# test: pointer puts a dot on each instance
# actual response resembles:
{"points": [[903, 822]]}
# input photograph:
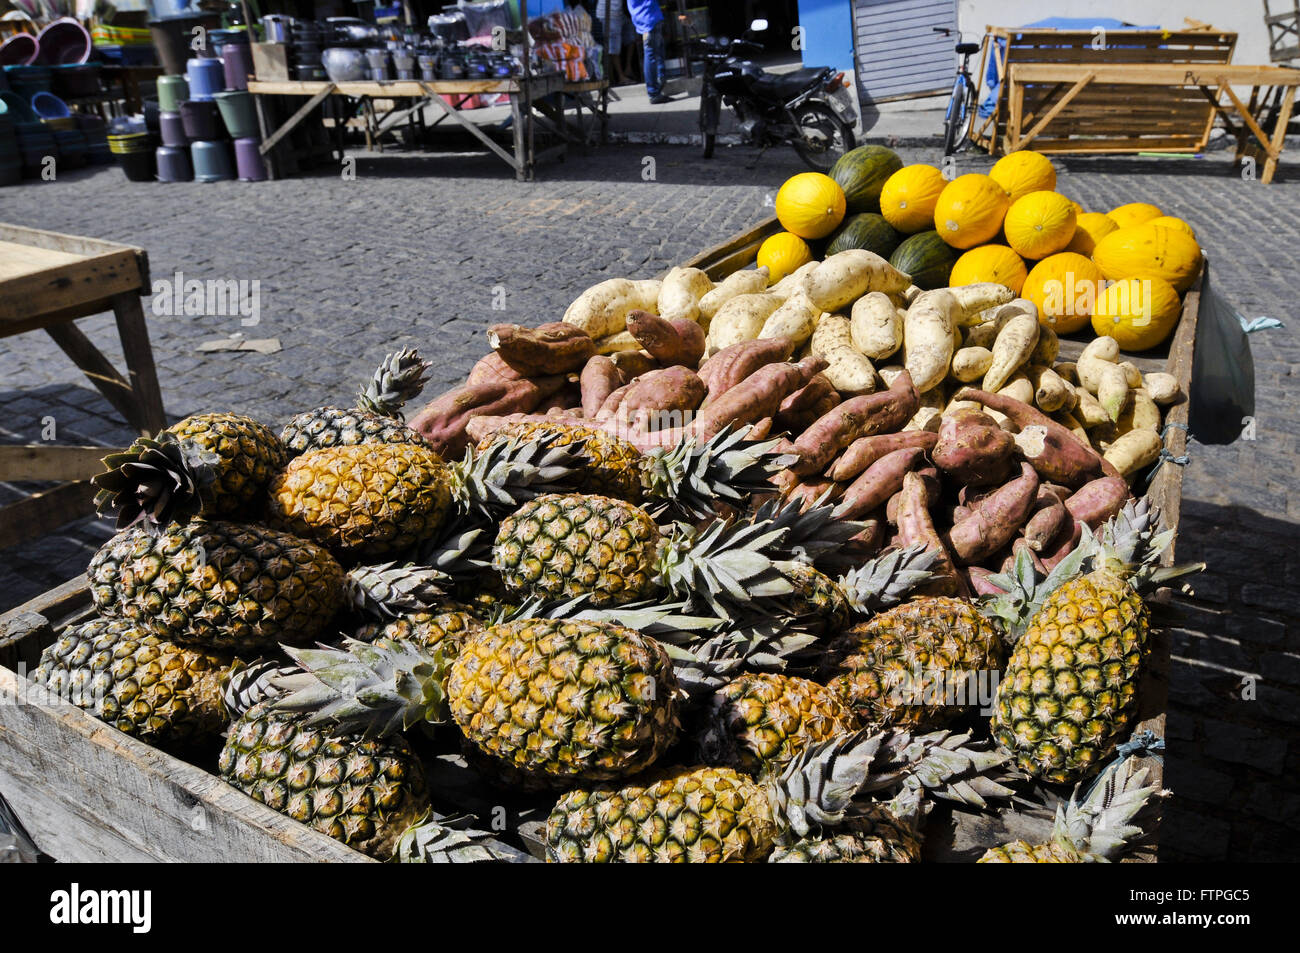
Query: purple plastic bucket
{"points": [[21, 49], [64, 41], [199, 118], [174, 164], [172, 130], [248, 160], [237, 64]]}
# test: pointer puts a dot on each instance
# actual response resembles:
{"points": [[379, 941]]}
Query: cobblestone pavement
{"points": [[416, 250]]}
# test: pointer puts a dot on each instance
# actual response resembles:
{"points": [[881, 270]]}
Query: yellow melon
{"points": [[1134, 213], [996, 263], [1139, 313], [1170, 221], [783, 253], [810, 205], [1149, 251], [909, 196], [1039, 224], [1065, 287], [970, 210], [1090, 228], [1023, 172]]}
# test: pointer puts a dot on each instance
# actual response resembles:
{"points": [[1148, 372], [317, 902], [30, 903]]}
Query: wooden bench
{"points": [[48, 281], [1099, 116]]}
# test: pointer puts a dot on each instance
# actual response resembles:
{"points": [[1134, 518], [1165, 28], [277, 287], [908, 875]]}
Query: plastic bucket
{"points": [[236, 65], [173, 164], [199, 119], [237, 113], [206, 78], [211, 161], [64, 41], [172, 91], [248, 160]]}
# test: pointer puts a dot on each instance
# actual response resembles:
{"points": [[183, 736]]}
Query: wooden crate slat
{"points": [[46, 461], [39, 514]]}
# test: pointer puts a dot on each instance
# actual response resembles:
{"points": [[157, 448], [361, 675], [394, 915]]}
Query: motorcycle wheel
{"points": [[832, 136], [710, 107]]}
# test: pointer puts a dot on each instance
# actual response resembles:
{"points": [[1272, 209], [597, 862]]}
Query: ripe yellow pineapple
{"points": [[612, 468], [877, 833]]}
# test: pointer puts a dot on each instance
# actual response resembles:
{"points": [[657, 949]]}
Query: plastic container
{"points": [[248, 160], [128, 142], [172, 130], [173, 164], [137, 166], [211, 161], [172, 91], [48, 106], [19, 50], [237, 113], [199, 118], [76, 80], [205, 78], [64, 41], [236, 64]]}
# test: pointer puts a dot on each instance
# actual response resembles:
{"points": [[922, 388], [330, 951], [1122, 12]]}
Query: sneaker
{"points": [[660, 99]]}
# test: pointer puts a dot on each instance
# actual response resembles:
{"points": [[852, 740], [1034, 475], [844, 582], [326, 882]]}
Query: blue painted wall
{"points": [[828, 33]]}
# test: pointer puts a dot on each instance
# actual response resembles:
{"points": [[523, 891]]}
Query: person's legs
{"points": [[654, 61]]}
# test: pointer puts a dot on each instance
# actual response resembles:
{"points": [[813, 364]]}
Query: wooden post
{"points": [[524, 136], [1279, 136]]}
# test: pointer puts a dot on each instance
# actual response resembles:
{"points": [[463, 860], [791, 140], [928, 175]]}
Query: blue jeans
{"points": [[654, 60]]}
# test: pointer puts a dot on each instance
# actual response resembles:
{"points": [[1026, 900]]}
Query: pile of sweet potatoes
{"points": [[969, 437]]}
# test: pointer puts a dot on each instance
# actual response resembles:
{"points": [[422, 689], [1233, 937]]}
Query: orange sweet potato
{"points": [[972, 449], [599, 379], [733, 364], [669, 342], [552, 348], [754, 398], [997, 520], [865, 451], [443, 420], [875, 485], [883, 412], [915, 527]]}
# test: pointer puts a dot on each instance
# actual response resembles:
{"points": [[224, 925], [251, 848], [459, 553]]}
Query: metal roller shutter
{"points": [[898, 52]]}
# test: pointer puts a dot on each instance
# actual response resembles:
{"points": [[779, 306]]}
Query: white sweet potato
{"points": [[876, 325], [1015, 342], [744, 282], [1162, 387], [796, 279], [1134, 450], [1112, 389], [971, 363], [1019, 387], [1099, 352], [602, 309], [1140, 414], [1047, 348], [848, 370], [795, 319], [927, 338], [740, 319], [680, 293], [973, 300], [1050, 392], [846, 276], [980, 335]]}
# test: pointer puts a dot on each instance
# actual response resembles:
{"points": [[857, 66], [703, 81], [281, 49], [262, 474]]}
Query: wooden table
{"points": [[48, 281], [1272, 97], [523, 93]]}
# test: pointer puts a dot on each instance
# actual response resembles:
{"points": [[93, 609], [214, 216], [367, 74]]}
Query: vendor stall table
{"points": [[523, 92], [48, 281], [1035, 124]]}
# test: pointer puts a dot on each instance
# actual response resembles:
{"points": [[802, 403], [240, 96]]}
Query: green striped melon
{"points": [[867, 230], [927, 258], [862, 173]]}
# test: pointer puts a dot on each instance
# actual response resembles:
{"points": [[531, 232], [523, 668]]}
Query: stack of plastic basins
{"points": [[173, 156], [209, 150], [238, 111], [35, 140]]}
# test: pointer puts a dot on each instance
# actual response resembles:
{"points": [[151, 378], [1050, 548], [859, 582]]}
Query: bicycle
{"points": [[961, 109]]}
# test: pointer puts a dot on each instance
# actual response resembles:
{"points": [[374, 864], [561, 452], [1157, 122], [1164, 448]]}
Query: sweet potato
{"points": [[663, 398], [761, 430], [972, 449], [492, 369], [1055, 452], [754, 398], [795, 280], [1061, 548], [602, 309], [599, 379], [878, 482], [1134, 450], [974, 300], [850, 370], [1050, 392], [1047, 520], [551, 348], [997, 520], [740, 319], [980, 585], [616, 343], [1140, 414], [442, 421], [798, 411], [927, 338], [971, 363], [1097, 501], [612, 402], [632, 364], [1015, 342], [731, 365], [680, 293], [808, 493], [745, 281], [876, 325], [1047, 348], [1162, 387], [795, 319], [882, 412], [669, 342], [981, 335], [846, 276], [1100, 352], [915, 527], [865, 451]]}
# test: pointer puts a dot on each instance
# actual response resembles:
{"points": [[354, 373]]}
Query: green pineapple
{"points": [[377, 417], [877, 833]]}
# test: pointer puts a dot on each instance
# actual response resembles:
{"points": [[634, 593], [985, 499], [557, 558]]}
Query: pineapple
{"points": [[556, 701], [1095, 829], [447, 627], [1068, 694], [377, 418], [717, 814], [898, 668], [217, 585], [363, 501], [612, 466], [143, 685], [879, 833], [363, 792], [760, 721], [214, 465], [448, 841], [564, 546]]}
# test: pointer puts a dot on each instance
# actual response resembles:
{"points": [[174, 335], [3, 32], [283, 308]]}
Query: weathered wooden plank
{"points": [[66, 285], [44, 512], [44, 462], [57, 241], [150, 418]]}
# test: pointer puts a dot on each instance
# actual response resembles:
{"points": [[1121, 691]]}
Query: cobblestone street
{"points": [[416, 250]]}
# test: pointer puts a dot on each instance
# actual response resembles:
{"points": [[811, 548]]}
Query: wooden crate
{"points": [[1113, 118], [88, 792]]}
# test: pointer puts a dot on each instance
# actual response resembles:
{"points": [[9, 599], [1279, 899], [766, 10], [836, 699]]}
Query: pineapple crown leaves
{"points": [[816, 790], [388, 590], [670, 623], [247, 685], [727, 564], [1101, 822], [813, 535], [461, 555], [953, 768], [399, 378], [380, 688], [888, 579], [155, 482], [450, 840], [728, 468], [509, 472]]}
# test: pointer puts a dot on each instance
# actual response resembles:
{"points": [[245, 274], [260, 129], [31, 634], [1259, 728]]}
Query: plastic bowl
{"points": [[49, 106], [64, 41], [19, 50]]}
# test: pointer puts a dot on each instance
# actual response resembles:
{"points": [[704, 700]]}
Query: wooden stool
{"points": [[48, 281]]}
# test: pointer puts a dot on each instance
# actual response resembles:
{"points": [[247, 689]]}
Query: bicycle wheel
{"points": [[823, 135], [710, 107], [956, 118]]}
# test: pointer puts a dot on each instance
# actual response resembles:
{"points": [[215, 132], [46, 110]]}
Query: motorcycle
{"points": [[809, 108]]}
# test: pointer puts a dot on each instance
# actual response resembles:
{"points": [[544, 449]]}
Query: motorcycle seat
{"points": [[785, 86]]}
